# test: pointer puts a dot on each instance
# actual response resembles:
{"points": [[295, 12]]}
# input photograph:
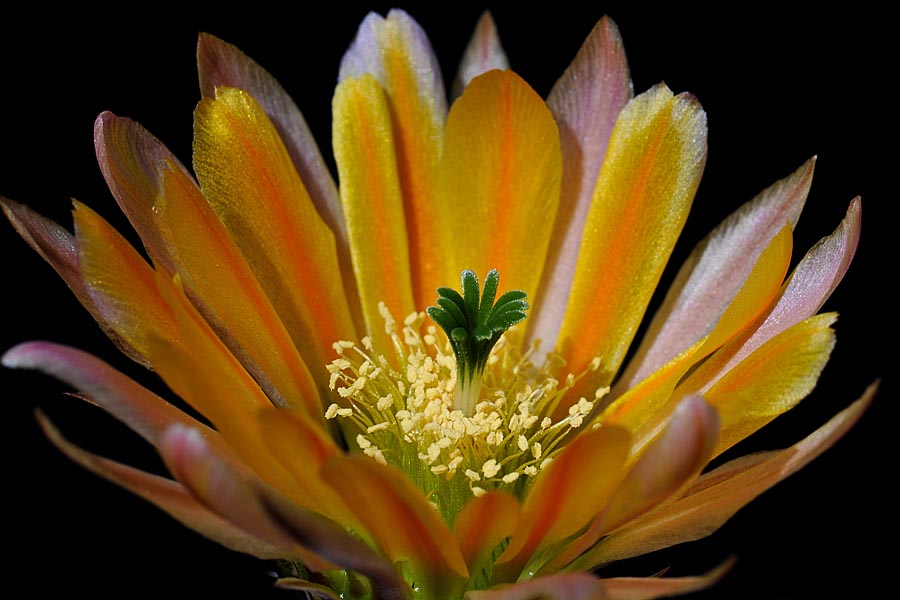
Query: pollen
{"points": [[400, 411]]}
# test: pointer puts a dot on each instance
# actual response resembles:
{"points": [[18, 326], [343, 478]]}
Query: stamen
{"points": [[410, 416]]}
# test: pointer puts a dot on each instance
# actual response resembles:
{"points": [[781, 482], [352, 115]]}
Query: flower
{"points": [[217, 321]]}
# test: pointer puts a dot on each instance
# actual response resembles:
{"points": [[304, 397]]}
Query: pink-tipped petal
{"points": [[254, 507], [57, 246], [221, 64], [719, 494], [168, 495], [585, 102], [809, 286], [139, 408], [715, 271], [482, 54], [648, 588], [568, 586]]}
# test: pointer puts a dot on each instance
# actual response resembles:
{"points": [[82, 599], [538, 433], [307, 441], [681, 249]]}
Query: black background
{"points": [[778, 87]]}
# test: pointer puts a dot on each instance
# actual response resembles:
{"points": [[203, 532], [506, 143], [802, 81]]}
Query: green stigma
{"points": [[474, 323]]}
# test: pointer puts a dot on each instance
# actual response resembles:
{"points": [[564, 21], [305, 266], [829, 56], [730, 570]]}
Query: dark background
{"points": [[778, 88]]}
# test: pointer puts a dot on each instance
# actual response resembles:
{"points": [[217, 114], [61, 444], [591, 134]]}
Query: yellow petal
{"points": [[210, 262], [652, 168], [120, 282], [773, 379], [365, 151], [251, 183], [395, 51], [500, 180]]}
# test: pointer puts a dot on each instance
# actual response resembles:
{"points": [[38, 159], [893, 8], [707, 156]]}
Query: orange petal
{"points": [[484, 522], [567, 494], [644, 191], [717, 495], [500, 182], [120, 282], [397, 515], [302, 447], [365, 151], [395, 50], [210, 262], [250, 182]]}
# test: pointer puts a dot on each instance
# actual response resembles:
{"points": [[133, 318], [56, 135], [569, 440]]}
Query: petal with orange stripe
{"points": [[396, 52], [645, 188], [365, 151], [500, 181], [217, 276], [120, 282], [483, 53], [250, 182], [586, 102]]}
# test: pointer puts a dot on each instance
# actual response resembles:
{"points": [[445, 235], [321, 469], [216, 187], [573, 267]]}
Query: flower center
{"points": [[495, 434]]}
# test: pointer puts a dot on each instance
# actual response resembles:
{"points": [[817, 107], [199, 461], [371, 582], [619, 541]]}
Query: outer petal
{"points": [[210, 478], [669, 463], [165, 205], [569, 586], [585, 102], [57, 246], [809, 286], [222, 65], [715, 271], [365, 151], [394, 511], [139, 408], [569, 492], [717, 495], [250, 182], [168, 495], [396, 52], [500, 177], [645, 188], [120, 283], [648, 588], [483, 53]]}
